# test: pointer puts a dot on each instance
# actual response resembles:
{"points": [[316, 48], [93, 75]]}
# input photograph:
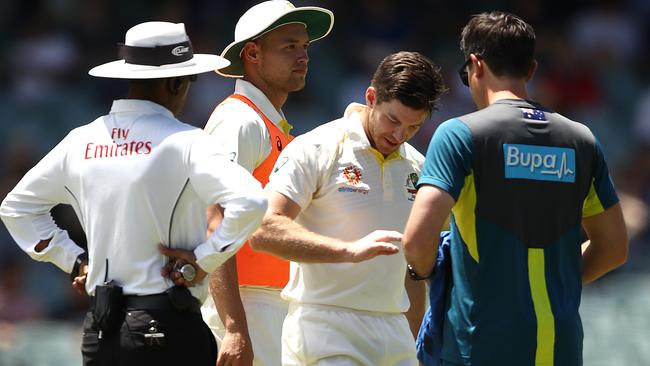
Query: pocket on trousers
{"points": [[142, 330], [89, 339]]}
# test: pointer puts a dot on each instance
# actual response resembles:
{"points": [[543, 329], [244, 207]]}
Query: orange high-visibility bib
{"points": [[259, 268]]}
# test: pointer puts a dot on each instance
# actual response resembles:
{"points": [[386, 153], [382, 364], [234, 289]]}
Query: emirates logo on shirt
{"points": [[120, 146]]}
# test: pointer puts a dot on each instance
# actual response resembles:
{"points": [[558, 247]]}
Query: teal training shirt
{"points": [[523, 177]]}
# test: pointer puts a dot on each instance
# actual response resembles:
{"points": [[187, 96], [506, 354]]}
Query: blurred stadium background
{"points": [[593, 68]]}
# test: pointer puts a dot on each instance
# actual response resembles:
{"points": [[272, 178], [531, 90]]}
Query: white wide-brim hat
{"points": [[267, 16], [155, 50]]}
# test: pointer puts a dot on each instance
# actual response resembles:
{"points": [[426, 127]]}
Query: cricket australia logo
{"points": [[555, 164], [410, 186], [351, 180], [352, 174]]}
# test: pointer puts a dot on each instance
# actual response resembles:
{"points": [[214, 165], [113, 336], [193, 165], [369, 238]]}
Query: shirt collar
{"points": [[357, 135], [260, 99], [139, 106]]}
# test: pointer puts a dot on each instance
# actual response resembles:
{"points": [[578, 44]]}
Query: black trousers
{"points": [[177, 338]]}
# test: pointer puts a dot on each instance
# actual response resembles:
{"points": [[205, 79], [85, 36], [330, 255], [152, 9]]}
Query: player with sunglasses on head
{"points": [[521, 182]]}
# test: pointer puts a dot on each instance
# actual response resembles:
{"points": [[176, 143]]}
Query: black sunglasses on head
{"points": [[462, 72]]}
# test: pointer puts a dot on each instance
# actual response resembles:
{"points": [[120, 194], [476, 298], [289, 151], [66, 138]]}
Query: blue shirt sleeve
{"points": [[449, 158]]}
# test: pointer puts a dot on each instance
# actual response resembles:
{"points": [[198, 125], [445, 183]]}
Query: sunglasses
{"points": [[462, 72]]}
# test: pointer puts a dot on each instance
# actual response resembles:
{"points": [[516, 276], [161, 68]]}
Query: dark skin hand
{"points": [[79, 282], [176, 255], [183, 256]]}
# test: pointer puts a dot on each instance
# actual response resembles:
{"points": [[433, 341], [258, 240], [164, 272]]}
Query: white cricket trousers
{"points": [[328, 336]]}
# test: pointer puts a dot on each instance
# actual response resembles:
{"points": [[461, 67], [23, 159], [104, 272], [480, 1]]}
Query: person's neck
{"points": [[364, 116], [151, 98], [504, 90], [276, 97]]}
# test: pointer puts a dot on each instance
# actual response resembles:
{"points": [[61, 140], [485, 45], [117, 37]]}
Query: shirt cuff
{"points": [[209, 260], [61, 251]]}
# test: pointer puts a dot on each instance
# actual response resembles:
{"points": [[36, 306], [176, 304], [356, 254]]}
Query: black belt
{"points": [[154, 302]]}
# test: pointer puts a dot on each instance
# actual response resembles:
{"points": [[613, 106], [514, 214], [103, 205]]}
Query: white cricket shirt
{"points": [[136, 178], [242, 131], [346, 190]]}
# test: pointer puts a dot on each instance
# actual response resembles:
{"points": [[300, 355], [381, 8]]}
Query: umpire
{"points": [[139, 181]]}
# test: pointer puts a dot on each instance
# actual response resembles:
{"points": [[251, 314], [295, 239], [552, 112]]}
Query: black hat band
{"points": [[156, 56]]}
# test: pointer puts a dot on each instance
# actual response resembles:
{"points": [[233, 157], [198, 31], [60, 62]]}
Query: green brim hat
{"points": [[267, 16]]}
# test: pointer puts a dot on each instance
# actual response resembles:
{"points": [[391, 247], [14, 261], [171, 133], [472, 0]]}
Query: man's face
{"points": [[283, 57], [391, 123]]}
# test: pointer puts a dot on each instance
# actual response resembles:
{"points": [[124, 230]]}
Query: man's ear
{"points": [[371, 96], [174, 85], [251, 52], [532, 70], [479, 65]]}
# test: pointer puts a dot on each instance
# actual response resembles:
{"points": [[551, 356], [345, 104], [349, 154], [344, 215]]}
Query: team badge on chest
{"points": [[410, 186], [351, 180]]}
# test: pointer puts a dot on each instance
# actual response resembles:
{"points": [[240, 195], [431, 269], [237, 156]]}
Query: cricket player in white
{"points": [[269, 56], [139, 181], [349, 185]]}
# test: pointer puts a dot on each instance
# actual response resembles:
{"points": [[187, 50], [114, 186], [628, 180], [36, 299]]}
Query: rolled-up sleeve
{"points": [[217, 180]]}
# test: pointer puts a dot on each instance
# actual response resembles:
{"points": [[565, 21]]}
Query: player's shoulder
{"points": [[234, 114], [412, 154], [574, 128], [319, 144], [327, 134]]}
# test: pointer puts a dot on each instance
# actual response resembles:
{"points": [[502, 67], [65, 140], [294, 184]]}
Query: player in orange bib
{"points": [[269, 56]]}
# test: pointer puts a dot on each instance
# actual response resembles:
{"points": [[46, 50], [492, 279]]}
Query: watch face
{"points": [[188, 272]]}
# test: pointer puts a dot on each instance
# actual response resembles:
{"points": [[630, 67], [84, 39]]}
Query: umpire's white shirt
{"points": [[346, 190], [136, 178]]}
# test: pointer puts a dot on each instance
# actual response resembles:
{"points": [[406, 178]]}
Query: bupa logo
{"points": [[555, 164], [180, 50]]}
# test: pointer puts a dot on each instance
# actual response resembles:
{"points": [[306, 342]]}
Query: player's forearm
{"points": [[608, 244], [596, 263], [416, 291], [224, 288], [420, 257], [421, 235], [282, 237]]}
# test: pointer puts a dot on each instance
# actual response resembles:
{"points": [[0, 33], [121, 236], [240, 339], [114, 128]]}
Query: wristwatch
{"points": [[414, 276], [186, 270], [81, 259]]}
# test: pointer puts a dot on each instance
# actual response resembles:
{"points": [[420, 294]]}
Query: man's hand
{"points": [[79, 282], [236, 350], [376, 243], [183, 256]]}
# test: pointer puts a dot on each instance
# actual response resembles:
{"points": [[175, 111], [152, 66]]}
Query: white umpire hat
{"points": [[154, 50], [267, 16]]}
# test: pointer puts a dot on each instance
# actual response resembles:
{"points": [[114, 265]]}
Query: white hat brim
{"points": [[200, 63]]}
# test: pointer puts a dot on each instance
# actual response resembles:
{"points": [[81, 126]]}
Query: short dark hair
{"points": [[411, 78], [503, 40]]}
